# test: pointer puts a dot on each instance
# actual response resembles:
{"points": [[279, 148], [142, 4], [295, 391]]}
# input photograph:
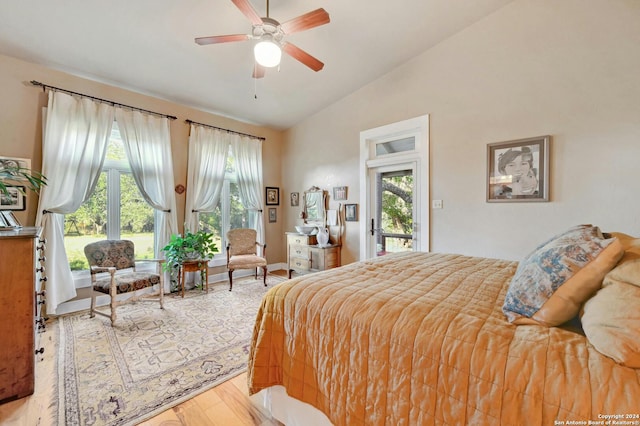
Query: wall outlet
{"points": [[436, 204]]}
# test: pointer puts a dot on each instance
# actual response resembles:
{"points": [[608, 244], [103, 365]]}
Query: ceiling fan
{"points": [[270, 35]]}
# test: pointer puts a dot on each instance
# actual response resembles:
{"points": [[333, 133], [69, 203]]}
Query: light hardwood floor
{"points": [[225, 405]]}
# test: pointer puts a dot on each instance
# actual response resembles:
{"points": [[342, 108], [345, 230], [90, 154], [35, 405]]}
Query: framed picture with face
{"points": [[272, 195], [518, 170]]}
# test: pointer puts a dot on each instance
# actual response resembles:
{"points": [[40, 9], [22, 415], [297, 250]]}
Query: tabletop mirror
{"points": [[314, 206]]}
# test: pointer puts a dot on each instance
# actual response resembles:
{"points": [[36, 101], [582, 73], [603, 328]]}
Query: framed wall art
{"points": [[339, 193], [351, 212], [272, 195], [11, 162], [295, 199], [518, 170], [273, 215], [14, 200]]}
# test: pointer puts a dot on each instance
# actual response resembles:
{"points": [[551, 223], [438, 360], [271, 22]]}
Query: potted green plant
{"points": [[190, 246]]}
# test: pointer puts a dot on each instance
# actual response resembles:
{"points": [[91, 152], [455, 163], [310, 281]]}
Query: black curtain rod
{"points": [[45, 86], [224, 130]]}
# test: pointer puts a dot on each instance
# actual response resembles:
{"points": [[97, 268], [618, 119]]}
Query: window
{"points": [[394, 146], [228, 214], [115, 210]]}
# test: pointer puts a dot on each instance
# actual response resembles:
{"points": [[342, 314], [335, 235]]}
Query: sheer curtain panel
{"points": [[75, 137], [208, 151], [248, 154], [147, 143]]}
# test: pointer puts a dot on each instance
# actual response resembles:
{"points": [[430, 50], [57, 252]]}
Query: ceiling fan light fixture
{"points": [[267, 53]]}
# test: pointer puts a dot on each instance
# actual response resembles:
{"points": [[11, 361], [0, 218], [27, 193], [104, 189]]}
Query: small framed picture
{"points": [[351, 212], [13, 163], [272, 195], [9, 219], [14, 199], [518, 171], [339, 193], [295, 199], [273, 215]]}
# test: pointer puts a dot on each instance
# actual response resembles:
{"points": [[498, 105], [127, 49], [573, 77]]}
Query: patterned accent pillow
{"points": [[553, 281]]}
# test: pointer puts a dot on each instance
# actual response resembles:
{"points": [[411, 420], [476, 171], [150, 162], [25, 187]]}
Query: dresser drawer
{"points": [[299, 251], [301, 239], [299, 264]]}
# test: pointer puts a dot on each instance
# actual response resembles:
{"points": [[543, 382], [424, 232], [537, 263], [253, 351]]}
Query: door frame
{"points": [[417, 127]]}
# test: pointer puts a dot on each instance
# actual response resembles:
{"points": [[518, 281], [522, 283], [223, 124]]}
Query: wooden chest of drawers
{"points": [[305, 256], [20, 314]]}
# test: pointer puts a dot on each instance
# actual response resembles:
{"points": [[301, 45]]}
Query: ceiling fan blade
{"points": [[258, 70], [248, 10], [300, 55], [222, 39], [307, 21]]}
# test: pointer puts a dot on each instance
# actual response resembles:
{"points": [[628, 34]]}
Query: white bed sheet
{"points": [[288, 410]]}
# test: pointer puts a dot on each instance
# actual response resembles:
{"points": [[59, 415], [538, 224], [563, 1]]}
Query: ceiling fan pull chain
{"points": [[255, 88]]}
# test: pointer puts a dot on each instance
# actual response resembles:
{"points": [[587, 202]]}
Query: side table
{"points": [[198, 265]]}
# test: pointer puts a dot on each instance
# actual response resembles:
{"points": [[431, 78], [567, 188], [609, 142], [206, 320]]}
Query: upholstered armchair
{"points": [[242, 253], [113, 272]]}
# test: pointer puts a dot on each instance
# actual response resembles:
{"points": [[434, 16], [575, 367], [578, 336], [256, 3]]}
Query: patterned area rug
{"points": [[153, 359]]}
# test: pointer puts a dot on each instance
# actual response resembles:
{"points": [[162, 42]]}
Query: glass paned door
{"points": [[393, 218]]}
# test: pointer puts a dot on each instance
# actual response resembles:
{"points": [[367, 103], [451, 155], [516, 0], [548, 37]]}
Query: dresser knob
{"points": [[39, 351], [43, 292], [43, 279]]}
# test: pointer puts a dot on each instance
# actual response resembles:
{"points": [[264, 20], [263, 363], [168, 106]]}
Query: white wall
{"points": [[568, 68]]}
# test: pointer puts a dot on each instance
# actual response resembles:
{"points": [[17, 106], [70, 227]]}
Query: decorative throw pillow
{"points": [[611, 319], [553, 281]]}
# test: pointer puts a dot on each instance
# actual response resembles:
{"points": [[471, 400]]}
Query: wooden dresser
{"points": [[21, 274], [305, 256]]}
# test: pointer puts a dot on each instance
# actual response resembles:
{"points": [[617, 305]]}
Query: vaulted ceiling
{"points": [[148, 46]]}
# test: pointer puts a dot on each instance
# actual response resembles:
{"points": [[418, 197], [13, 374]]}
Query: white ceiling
{"points": [[148, 46]]}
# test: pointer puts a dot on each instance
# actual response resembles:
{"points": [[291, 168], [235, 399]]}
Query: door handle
{"points": [[373, 226]]}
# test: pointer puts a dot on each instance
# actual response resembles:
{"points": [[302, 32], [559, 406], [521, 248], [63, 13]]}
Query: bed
{"points": [[424, 338]]}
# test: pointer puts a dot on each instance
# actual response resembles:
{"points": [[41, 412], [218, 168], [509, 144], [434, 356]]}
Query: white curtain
{"points": [[248, 155], [147, 143], [76, 133], [208, 151]]}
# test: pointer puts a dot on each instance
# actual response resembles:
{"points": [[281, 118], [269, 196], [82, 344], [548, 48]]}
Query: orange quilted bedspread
{"points": [[420, 338]]}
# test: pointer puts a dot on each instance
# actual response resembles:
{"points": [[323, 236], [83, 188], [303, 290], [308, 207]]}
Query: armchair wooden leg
{"points": [[264, 275], [92, 312], [230, 279], [112, 295]]}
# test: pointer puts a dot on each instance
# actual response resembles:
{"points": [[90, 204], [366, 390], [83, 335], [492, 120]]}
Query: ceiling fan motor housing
{"points": [[269, 29]]}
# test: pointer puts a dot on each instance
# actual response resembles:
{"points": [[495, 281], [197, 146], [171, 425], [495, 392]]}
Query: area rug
{"points": [[153, 358]]}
